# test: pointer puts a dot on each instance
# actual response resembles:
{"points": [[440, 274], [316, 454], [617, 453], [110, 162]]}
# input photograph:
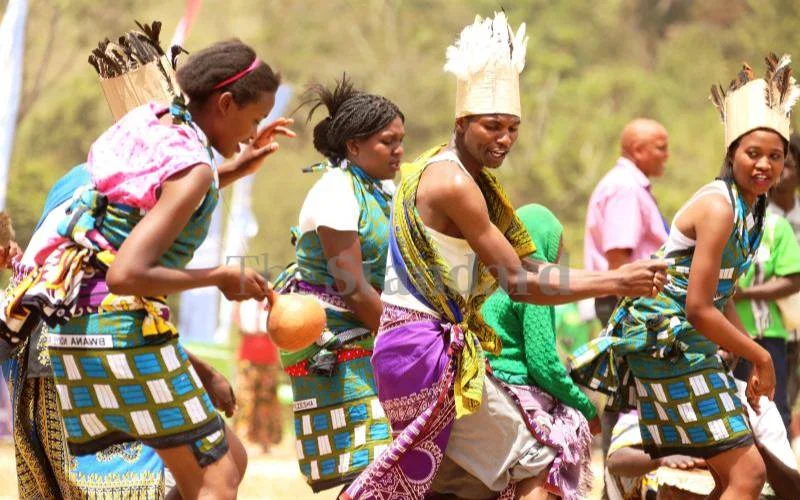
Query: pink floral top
{"points": [[131, 160]]}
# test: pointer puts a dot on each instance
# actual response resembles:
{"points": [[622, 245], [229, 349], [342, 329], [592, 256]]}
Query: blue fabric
{"points": [[63, 189]]}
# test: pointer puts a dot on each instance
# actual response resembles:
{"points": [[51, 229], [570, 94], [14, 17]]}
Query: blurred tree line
{"points": [[591, 67]]}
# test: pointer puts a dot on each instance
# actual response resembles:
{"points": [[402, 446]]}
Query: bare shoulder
{"points": [[446, 180], [715, 207], [710, 215], [201, 173], [191, 183], [448, 199]]}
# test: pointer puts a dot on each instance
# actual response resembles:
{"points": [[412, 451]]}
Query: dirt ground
{"points": [[271, 476]]}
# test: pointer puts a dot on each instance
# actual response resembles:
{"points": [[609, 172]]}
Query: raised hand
{"points": [[263, 145]]}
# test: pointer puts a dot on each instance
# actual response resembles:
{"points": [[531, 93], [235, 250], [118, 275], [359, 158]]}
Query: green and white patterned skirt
{"points": [[698, 414], [114, 386], [339, 424]]}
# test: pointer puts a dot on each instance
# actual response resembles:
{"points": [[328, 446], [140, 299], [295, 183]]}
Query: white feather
{"points": [[484, 42], [520, 49], [785, 60], [791, 98]]}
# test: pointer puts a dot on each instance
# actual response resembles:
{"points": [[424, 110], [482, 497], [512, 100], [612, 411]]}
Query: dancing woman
{"points": [[666, 346], [341, 244], [101, 277]]}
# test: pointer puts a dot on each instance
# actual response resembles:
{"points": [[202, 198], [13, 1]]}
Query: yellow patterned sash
{"points": [[428, 274]]}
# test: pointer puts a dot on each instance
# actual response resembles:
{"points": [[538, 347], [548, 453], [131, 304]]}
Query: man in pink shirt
{"points": [[623, 222]]}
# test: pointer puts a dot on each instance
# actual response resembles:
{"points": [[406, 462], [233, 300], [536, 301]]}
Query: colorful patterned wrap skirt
{"points": [[47, 470], [339, 423], [116, 385], [686, 397]]}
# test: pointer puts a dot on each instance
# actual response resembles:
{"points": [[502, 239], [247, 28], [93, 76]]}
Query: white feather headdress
{"points": [[487, 59], [752, 103]]}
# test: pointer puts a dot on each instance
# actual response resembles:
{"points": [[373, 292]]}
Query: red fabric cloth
{"points": [[301, 369], [258, 349]]}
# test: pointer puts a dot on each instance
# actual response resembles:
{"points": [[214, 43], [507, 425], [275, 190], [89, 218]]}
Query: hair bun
{"points": [[322, 137]]}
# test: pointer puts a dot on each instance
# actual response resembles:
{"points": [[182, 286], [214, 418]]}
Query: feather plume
{"points": [[519, 48], [769, 93], [718, 99], [791, 99], [745, 75], [486, 41], [785, 83], [748, 73], [784, 62], [781, 93], [772, 65]]}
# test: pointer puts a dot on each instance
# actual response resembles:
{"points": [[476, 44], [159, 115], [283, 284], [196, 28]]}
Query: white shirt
{"points": [[331, 202]]}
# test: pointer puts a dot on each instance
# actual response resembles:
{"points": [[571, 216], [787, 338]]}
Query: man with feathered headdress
{"points": [[455, 238]]}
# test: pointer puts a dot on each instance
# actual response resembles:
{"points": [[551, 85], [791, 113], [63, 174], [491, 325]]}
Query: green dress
{"points": [[684, 392], [339, 423]]}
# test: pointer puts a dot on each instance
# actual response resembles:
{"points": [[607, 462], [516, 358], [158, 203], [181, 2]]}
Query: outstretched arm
{"points": [[460, 199]]}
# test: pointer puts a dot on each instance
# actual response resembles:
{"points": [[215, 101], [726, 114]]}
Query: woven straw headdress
{"points": [[487, 59], [751, 103]]}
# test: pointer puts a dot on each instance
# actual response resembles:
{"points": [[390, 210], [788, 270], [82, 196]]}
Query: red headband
{"points": [[238, 75]]}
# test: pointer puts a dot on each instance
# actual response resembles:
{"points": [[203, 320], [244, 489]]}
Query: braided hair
{"points": [[204, 69], [352, 114]]}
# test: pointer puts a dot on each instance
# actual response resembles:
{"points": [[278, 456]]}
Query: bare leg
{"points": [[785, 481], [719, 486], [237, 450], [219, 480], [742, 471]]}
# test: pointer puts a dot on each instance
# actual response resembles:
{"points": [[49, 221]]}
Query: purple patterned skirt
{"points": [[414, 367]]}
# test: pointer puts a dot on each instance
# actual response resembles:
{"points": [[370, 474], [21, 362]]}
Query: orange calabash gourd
{"points": [[295, 321]]}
